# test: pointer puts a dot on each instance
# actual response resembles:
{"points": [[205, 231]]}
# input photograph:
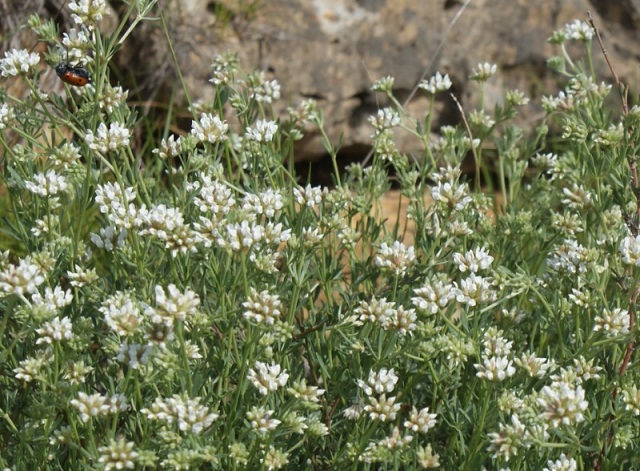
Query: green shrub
{"points": [[201, 307]]}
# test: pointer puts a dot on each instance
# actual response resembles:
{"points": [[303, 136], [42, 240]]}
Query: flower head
{"points": [[18, 62], [111, 139], [267, 378], [88, 12], [437, 83], [210, 128], [262, 132], [483, 72]]}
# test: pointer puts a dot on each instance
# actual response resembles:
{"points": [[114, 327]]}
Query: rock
{"points": [[333, 50]]}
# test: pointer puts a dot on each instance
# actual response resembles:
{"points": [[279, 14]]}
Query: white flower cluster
{"points": [[88, 12], [116, 203], [386, 118], [630, 250], [396, 257], [262, 307], [172, 305], [437, 83], [105, 140], [376, 387], [267, 378], [434, 295], [268, 203], [6, 115], [134, 355], [121, 314], [496, 364], [213, 197], [21, 279], [48, 184], [167, 224], [188, 414], [386, 314], [264, 91], [263, 131], [97, 405], [563, 403], [261, 420], [474, 290], [309, 196], [483, 72], [55, 330], [210, 128], [53, 299], [18, 62], [473, 260]]}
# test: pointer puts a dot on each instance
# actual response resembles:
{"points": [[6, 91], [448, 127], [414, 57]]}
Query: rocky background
{"points": [[333, 50]]}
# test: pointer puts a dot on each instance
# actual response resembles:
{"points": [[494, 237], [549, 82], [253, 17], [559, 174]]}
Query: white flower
{"points": [[397, 258], [267, 378], [435, 84], [172, 305], [475, 289], [382, 408], [452, 194], [613, 323], [378, 382], [121, 314], [210, 128], [53, 299], [18, 62], [262, 307], [188, 414], [108, 238], [112, 97], [510, 438], [261, 420], [579, 30], [385, 84], [6, 115], [21, 279], [473, 260], [264, 91], [495, 368], [168, 147], [55, 331], [91, 406], [111, 139], [262, 132], [134, 355], [48, 184], [300, 390], [562, 464], [562, 403], [88, 12], [433, 296], [386, 118], [213, 197], [118, 455], [242, 236], [420, 421], [309, 196], [268, 202], [630, 250], [483, 72]]}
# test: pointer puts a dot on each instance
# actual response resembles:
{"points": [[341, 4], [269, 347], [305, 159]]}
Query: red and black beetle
{"points": [[76, 76]]}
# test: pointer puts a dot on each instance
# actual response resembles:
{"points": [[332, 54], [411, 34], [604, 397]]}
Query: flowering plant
{"points": [[201, 307]]}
